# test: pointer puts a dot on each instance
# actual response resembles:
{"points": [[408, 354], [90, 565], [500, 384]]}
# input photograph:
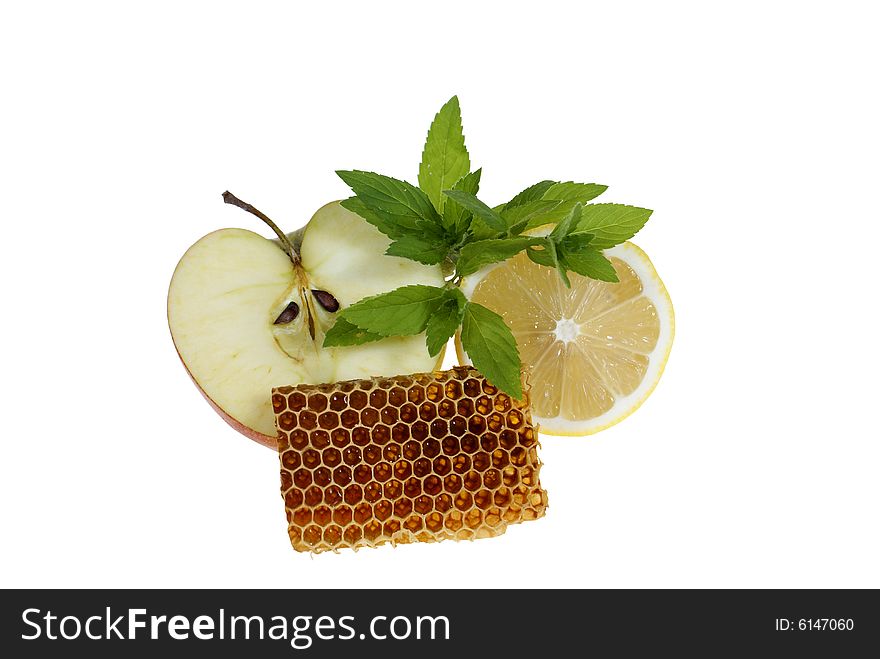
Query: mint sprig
{"points": [[443, 221]]}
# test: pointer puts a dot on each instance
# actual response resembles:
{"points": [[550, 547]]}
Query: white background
{"points": [[752, 130]]}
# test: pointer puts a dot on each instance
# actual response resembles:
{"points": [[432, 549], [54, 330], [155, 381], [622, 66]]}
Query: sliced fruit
{"points": [[246, 316], [595, 350]]}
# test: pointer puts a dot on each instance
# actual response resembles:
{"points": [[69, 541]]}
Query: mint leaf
{"points": [[612, 224], [400, 312], [475, 255], [455, 216], [418, 249], [480, 210], [398, 203], [491, 347], [445, 159], [557, 263], [519, 217], [565, 226], [343, 333], [589, 262], [445, 321], [543, 256], [389, 228], [531, 193], [574, 192]]}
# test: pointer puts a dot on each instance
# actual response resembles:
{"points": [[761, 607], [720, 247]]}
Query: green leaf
{"points": [[589, 262], [480, 210], [344, 333], [531, 193], [400, 312], [574, 192], [558, 263], [455, 216], [399, 204], [418, 249], [565, 226], [491, 347], [612, 224], [445, 321], [575, 241], [445, 159], [475, 255], [519, 217], [389, 228], [544, 256]]}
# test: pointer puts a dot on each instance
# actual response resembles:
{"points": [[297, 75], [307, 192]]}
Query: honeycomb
{"points": [[417, 458]]}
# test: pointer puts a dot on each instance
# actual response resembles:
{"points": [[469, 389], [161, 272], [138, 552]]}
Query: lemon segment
{"points": [[595, 350]]}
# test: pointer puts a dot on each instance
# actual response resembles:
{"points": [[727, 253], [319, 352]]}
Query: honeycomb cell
{"points": [[508, 439], [403, 469], [470, 443], [452, 483], [382, 510], [340, 437], [319, 439], [389, 416], [342, 476], [333, 535], [290, 460], [393, 489], [430, 448], [308, 420], [363, 512], [396, 397], [382, 472], [423, 504], [403, 507], [357, 400], [360, 436], [349, 418], [293, 498], [323, 515], [313, 496], [461, 463], [489, 388], [333, 495], [432, 485], [378, 398], [317, 402], [416, 394], [419, 430], [296, 401], [482, 461], [328, 420], [287, 420], [302, 478], [322, 476], [312, 535], [473, 481], [442, 465], [450, 446], [458, 426], [353, 494], [404, 459], [500, 459], [439, 428], [381, 434], [351, 455], [372, 454], [492, 479], [369, 417], [427, 411]]}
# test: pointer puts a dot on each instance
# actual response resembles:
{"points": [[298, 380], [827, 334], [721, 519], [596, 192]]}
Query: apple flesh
{"points": [[245, 317]]}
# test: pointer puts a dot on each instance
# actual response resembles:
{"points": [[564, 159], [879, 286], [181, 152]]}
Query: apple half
{"points": [[247, 313]]}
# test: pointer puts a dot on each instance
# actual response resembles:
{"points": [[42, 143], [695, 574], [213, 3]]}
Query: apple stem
{"points": [[288, 247]]}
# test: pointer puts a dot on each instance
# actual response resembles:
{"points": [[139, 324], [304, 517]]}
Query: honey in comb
{"points": [[412, 458]]}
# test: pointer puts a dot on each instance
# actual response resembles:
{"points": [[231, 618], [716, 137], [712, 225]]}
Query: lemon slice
{"points": [[596, 350]]}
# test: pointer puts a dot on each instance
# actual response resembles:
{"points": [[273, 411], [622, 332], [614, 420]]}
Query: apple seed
{"points": [[291, 311], [326, 300]]}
